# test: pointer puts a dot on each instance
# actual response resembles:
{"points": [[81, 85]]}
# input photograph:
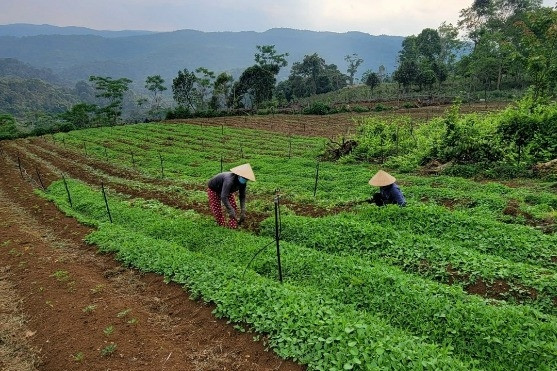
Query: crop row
{"points": [[435, 258], [298, 321], [493, 335], [197, 157]]}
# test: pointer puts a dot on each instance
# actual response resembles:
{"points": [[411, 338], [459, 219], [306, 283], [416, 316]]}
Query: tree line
{"points": [[506, 44]]}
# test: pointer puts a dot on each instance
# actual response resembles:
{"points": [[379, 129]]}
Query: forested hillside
{"points": [[76, 57], [19, 96]]}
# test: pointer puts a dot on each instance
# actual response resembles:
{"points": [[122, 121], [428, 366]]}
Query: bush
{"points": [[8, 129], [381, 107], [317, 108], [360, 109], [179, 112]]}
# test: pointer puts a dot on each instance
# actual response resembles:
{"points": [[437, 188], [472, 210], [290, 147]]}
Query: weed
{"points": [[78, 357], [132, 321]]}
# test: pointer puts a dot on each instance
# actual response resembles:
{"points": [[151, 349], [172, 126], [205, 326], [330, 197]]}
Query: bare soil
{"points": [[332, 126]]}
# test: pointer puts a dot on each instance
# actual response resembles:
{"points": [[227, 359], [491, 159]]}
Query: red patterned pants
{"points": [[216, 208]]}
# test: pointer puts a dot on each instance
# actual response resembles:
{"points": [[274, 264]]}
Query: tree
{"points": [[313, 76], [81, 115], [113, 92], [406, 74], [428, 45], [309, 69], [204, 84], [539, 35], [354, 61], [256, 83], [155, 84], [372, 80], [222, 89], [268, 56], [183, 88]]}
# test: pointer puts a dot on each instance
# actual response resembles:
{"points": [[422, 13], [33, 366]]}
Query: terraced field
{"points": [[464, 277]]}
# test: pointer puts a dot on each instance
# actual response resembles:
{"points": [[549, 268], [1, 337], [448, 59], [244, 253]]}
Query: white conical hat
{"points": [[381, 179], [244, 171]]}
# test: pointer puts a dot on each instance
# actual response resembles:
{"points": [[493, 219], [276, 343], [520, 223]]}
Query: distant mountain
{"points": [[25, 29], [81, 53]]}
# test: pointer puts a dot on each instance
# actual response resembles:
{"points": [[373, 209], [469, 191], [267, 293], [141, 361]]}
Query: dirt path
{"points": [[79, 310]]}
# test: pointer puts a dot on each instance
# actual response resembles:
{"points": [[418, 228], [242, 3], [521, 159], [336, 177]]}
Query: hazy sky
{"points": [[390, 17]]}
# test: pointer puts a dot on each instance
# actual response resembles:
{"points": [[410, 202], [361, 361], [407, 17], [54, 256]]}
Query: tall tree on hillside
{"points": [[312, 76], [450, 45], [155, 84], [354, 61], [311, 67], [183, 88], [205, 84], [256, 85], [539, 34], [268, 56], [371, 79], [112, 91], [222, 90], [491, 25], [257, 82]]}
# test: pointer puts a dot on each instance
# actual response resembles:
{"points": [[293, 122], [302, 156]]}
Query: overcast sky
{"points": [[375, 17]]}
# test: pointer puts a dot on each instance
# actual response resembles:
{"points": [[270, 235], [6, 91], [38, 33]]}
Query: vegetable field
{"points": [[464, 277]]}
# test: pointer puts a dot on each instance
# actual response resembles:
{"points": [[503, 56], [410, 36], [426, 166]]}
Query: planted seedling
{"points": [[78, 357], [123, 313], [61, 275], [108, 350], [109, 330], [89, 309]]}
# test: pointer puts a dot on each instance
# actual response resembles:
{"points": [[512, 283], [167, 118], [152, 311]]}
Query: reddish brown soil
{"points": [[332, 126], [76, 303]]}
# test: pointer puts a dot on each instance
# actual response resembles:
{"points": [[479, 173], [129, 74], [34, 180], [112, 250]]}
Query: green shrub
{"points": [[317, 108]]}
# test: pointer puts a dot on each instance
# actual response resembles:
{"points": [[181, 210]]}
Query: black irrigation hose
{"points": [[264, 247], [254, 256]]}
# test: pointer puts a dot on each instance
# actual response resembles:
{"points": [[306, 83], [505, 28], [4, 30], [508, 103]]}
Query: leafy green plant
{"points": [[108, 349], [78, 357], [61, 275], [108, 330], [89, 308]]}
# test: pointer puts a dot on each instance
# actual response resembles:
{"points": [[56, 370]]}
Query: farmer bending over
{"points": [[389, 192], [221, 188]]}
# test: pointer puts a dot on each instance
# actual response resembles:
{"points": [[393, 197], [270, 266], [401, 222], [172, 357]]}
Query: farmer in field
{"points": [[221, 188], [389, 192]]}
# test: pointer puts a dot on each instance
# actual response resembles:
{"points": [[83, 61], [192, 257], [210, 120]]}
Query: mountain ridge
{"points": [[136, 55]]}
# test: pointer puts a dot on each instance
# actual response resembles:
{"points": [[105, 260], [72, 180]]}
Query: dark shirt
{"points": [[391, 194], [225, 184]]}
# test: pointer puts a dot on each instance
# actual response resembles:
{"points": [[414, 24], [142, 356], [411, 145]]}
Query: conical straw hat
{"points": [[381, 179], [244, 171]]}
